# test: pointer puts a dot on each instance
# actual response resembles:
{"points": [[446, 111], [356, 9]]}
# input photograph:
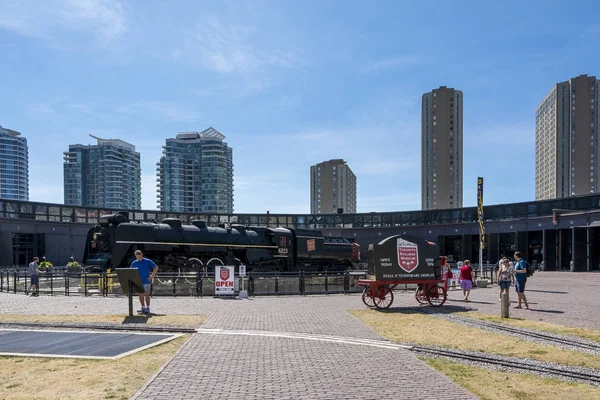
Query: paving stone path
{"points": [[269, 365]]}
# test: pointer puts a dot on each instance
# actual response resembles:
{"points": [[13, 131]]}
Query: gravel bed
{"points": [[513, 360], [520, 333]]}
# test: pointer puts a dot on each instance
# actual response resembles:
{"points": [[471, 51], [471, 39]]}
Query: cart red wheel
{"points": [[436, 296], [367, 297], [420, 294], [383, 297]]}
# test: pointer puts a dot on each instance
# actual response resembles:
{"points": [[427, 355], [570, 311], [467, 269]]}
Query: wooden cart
{"points": [[380, 294]]}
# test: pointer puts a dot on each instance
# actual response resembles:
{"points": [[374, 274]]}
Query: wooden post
{"points": [[505, 305], [130, 283]]}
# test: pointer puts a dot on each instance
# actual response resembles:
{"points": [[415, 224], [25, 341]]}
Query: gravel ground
{"points": [[515, 361], [520, 333]]}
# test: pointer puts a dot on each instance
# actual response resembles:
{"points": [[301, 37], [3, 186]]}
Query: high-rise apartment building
{"points": [[566, 140], [14, 165], [332, 188], [107, 174], [195, 173], [442, 149]]}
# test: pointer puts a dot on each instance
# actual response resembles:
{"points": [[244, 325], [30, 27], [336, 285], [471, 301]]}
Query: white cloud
{"points": [[41, 108], [231, 47], [84, 108], [103, 19], [171, 111], [393, 63]]}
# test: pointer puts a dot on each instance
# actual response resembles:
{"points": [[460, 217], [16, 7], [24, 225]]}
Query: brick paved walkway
{"points": [[226, 366]]}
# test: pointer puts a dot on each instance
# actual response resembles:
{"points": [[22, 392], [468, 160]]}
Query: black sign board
{"points": [[131, 283], [402, 257]]}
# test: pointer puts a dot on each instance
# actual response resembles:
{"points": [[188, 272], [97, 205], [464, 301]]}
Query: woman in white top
{"points": [[506, 276]]}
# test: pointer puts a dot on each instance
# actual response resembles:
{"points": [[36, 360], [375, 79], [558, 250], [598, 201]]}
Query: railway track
{"points": [[578, 344], [513, 363]]}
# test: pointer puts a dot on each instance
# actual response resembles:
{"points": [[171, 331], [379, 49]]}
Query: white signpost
{"points": [[243, 293], [224, 280]]}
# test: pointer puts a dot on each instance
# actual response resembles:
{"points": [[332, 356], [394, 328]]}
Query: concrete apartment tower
{"points": [[195, 174], [14, 165], [442, 149], [107, 174], [332, 188], [566, 140]]}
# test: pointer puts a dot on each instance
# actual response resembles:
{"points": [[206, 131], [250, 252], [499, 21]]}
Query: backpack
{"points": [[529, 269]]}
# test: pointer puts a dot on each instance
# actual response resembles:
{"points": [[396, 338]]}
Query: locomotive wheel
{"points": [[215, 261], [436, 295], [367, 297], [194, 263], [420, 295], [383, 297]]}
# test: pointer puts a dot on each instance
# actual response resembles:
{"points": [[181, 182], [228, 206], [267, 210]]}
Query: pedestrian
{"points": [[505, 277], [466, 280], [520, 279], [147, 270], [34, 276]]}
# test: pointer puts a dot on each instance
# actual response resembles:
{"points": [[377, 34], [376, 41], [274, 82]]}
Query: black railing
{"points": [[195, 284]]}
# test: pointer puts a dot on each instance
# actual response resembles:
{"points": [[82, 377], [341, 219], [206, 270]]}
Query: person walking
{"points": [[505, 277], [147, 270], [466, 280], [34, 276], [520, 279]]}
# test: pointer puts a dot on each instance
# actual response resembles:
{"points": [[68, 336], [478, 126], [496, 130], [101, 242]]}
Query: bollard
{"points": [[505, 305]]}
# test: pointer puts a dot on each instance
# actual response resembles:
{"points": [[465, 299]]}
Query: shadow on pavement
{"points": [[547, 311], [136, 319], [546, 291]]}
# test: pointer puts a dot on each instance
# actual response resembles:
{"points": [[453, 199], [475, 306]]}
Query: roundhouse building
{"points": [[555, 231]]}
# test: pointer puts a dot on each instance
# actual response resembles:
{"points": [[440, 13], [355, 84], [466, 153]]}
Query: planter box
{"points": [[481, 283]]}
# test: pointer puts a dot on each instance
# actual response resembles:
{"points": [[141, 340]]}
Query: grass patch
{"points": [[183, 321], [590, 334], [495, 385], [402, 326], [62, 378]]}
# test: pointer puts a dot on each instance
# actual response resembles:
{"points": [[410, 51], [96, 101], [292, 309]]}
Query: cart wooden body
{"points": [[380, 293], [402, 259]]}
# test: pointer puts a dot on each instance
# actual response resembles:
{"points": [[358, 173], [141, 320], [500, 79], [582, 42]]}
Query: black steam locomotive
{"points": [[175, 246]]}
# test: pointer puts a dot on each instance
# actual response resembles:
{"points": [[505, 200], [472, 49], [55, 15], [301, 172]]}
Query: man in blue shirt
{"points": [[520, 279], [144, 267]]}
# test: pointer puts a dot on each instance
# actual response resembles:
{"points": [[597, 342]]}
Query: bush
{"points": [[44, 265], [73, 264]]}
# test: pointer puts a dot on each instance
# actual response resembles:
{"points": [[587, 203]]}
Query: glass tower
{"points": [[195, 174], [14, 165], [107, 174]]}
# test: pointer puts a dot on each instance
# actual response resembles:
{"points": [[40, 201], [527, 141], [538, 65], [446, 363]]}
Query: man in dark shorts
{"points": [[147, 270], [34, 276], [520, 279]]}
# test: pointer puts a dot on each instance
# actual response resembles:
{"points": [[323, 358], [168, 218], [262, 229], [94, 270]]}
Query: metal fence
{"points": [[69, 282]]}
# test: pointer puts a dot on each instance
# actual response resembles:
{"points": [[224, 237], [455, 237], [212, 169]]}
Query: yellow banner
{"points": [[480, 209]]}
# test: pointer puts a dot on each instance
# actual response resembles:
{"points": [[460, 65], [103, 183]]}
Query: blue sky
{"points": [[291, 84]]}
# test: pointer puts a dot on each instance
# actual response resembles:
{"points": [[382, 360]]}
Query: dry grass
{"points": [[417, 328], [590, 334], [183, 321], [494, 385], [57, 378]]}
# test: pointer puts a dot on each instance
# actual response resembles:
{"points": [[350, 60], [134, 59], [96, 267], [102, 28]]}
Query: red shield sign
{"points": [[282, 241], [224, 273], [408, 255]]}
